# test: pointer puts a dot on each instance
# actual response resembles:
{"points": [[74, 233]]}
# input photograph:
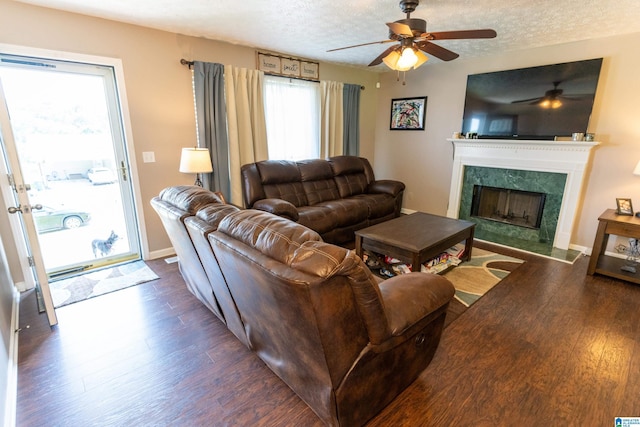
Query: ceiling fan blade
{"points": [[363, 44], [463, 34], [400, 29], [522, 101], [378, 60], [437, 51]]}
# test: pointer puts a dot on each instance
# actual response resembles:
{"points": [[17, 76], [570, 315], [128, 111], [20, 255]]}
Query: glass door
{"points": [[15, 195], [69, 144]]}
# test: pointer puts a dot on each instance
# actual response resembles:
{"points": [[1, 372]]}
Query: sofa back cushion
{"points": [[352, 174], [274, 236], [189, 198], [281, 180], [317, 181]]}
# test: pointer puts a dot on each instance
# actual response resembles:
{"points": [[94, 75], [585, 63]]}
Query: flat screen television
{"points": [[541, 103]]}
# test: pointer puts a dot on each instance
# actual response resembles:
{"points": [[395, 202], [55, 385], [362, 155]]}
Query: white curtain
{"points": [[292, 109], [331, 130], [245, 121]]}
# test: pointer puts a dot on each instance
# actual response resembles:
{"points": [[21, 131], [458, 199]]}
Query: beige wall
{"points": [[158, 86], [161, 109], [423, 160]]}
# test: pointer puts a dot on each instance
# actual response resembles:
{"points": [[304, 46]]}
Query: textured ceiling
{"points": [[308, 28]]}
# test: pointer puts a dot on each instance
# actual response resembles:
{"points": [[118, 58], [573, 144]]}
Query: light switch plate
{"points": [[148, 157]]}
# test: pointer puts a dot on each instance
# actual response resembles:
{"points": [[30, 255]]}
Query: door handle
{"points": [[123, 170], [36, 207], [13, 210]]}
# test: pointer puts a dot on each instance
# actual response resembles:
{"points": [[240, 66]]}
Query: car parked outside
{"points": [[49, 219], [101, 176]]}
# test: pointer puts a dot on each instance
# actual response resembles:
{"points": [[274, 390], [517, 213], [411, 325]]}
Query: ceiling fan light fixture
{"points": [[407, 59], [391, 60], [422, 58], [551, 103]]}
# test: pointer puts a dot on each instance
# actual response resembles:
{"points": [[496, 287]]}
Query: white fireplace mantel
{"points": [[568, 157]]}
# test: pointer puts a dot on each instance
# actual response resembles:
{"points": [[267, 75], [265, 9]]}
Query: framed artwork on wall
{"points": [[408, 113]]}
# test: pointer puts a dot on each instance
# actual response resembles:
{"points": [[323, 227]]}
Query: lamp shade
{"points": [[636, 171], [405, 59], [195, 160]]}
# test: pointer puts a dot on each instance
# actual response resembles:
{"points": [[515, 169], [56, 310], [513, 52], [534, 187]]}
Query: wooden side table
{"points": [[618, 225]]}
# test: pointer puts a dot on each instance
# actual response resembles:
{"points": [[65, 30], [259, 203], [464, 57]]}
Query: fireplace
{"points": [[555, 168], [516, 207]]}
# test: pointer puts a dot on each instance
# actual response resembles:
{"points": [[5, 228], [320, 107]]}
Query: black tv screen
{"points": [[542, 102]]}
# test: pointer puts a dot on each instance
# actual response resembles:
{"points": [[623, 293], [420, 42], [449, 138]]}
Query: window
{"points": [[292, 112]]}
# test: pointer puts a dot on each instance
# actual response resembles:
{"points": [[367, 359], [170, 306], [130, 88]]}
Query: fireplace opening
{"points": [[516, 207]]}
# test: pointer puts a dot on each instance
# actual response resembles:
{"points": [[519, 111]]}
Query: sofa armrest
{"points": [[409, 299], [278, 207], [386, 186]]}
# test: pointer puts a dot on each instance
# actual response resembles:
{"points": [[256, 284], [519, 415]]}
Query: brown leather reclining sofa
{"points": [[312, 311], [334, 197]]}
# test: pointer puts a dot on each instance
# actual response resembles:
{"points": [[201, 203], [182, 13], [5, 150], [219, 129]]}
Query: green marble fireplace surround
{"points": [[555, 168], [549, 183]]}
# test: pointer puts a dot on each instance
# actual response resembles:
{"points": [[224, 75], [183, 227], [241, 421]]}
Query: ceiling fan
{"points": [[413, 39], [552, 98]]}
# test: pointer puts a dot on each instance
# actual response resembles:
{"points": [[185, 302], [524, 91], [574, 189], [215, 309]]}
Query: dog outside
{"points": [[102, 234]]}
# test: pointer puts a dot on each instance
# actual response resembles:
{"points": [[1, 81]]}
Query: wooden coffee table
{"points": [[416, 238]]}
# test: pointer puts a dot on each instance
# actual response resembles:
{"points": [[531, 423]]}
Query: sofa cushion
{"points": [[352, 174], [274, 236], [348, 211], [281, 179], [379, 205], [317, 181], [318, 218], [213, 214], [189, 198]]}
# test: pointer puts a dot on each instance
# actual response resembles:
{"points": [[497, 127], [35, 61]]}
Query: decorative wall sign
{"points": [[288, 67], [309, 70], [269, 64]]}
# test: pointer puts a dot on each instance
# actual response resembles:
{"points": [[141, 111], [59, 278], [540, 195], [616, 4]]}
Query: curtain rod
{"points": [[190, 64]]}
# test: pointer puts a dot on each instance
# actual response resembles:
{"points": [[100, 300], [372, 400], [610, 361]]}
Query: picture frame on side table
{"points": [[408, 113], [624, 206]]}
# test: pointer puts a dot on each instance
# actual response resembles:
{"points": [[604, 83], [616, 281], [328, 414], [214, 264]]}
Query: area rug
{"points": [[474, 278], [79, 288]]}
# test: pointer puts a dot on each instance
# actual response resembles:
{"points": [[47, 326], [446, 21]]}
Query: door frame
{"points": [[116, 65]]}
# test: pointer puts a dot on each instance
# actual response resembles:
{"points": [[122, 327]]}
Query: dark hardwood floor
{"points": [[548, 346]]}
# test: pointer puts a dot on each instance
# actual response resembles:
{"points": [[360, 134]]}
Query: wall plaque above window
{"points": [[288, 67]]}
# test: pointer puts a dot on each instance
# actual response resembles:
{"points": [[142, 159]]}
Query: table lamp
{"points": [[195, 160]]}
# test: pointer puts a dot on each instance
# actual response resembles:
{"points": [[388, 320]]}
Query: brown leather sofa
{"points": [[312, 311], [334, 197], [173, 205]]}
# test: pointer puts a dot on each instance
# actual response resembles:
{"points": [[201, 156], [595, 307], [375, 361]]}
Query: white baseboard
{"points": [[11, 401], [22, 287], [585, 250], [161, 253], [407, 211]]}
